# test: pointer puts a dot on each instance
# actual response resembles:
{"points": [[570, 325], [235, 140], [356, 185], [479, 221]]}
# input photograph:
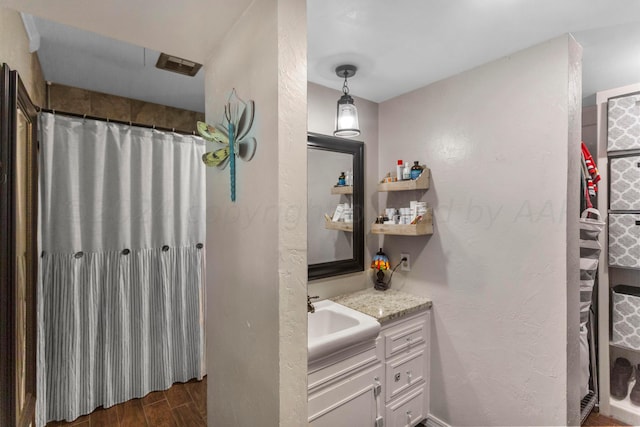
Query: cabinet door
{"points": [[624, 123], [625, 183], [624, 240], [353, 402]]}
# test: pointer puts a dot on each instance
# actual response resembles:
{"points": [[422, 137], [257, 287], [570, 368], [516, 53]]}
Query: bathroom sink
{"points": [[334, 327]]}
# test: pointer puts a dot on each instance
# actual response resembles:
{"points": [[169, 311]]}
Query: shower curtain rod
{"points": [[121, 122]]}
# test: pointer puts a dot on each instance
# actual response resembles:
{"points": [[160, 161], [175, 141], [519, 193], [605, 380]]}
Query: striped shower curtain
{"points": [[120, 298]]}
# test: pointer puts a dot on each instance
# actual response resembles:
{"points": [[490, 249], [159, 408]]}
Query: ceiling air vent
{"points": [[177, 65]]}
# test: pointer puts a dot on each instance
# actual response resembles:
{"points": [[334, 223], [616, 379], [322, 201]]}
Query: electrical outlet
{"points": [[406, 265]]}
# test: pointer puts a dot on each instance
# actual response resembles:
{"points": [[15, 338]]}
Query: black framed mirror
{"points": [[335, 171]]}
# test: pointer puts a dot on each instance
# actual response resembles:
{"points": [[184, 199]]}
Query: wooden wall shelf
{"points": [[342, 189], [424, 227], [339, 225], [421, 183]]}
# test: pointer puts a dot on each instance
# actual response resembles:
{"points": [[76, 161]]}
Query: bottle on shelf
{"points": [[342, 179], [348, 213], [416, 170], [399, 170], [406, 173]]}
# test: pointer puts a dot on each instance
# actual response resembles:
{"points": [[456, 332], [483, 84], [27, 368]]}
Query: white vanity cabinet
{"points": [[383, 382], [405, 342]]}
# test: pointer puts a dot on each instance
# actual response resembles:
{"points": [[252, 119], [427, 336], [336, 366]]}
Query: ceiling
{"points": [[87, 60], [398, 46], [185, 28], [402, 45]]}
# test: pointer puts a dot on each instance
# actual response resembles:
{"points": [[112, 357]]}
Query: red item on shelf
{"points": [[591, 164]]}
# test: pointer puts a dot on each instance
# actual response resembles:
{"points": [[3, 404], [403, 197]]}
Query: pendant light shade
{"points": [[347, 114]]}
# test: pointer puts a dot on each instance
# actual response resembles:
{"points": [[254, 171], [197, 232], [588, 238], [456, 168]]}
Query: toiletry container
{"points": [[348, 213], [349, 180], [416, 170], [342, 179]]}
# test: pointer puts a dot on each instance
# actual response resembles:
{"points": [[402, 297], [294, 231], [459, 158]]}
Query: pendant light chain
{"points": [[345, 88]]}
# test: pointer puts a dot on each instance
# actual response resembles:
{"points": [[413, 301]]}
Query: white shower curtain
{"points": [[120, 303]]}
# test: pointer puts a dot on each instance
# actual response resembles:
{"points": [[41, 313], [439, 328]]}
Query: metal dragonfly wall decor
{"points": [[232, 134]]}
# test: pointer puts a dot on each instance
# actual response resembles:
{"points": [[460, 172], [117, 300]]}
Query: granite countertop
{"points": [[383, 305]]}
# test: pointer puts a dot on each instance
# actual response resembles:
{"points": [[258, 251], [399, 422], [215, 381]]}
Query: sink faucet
{"points": [[310, 307]]}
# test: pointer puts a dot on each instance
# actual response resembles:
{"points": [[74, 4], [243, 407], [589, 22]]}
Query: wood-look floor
{"points": [[595, 419], [181, 405], [186, 405]]}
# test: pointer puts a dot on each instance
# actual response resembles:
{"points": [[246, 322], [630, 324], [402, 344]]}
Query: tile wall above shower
{"points": [[80, 101]]}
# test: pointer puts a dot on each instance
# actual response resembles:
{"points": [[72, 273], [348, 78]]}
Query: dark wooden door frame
{"points": [[13, 96]]}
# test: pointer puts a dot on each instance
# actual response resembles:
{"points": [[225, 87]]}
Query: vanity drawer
{"points": [[404, 337], [404, 372], [407, 411]]}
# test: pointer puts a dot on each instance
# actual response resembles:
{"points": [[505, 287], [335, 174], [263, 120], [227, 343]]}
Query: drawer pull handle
{"points": [[396, 377], [409, 376], [377, 387], [409, 339], [409, 416]]}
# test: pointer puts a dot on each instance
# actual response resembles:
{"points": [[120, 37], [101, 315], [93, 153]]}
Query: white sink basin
{"points": [[333, 327]]}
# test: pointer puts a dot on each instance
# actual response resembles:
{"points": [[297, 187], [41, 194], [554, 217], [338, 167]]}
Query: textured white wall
{"points": [[292, 196], [256, 247], [321, 119], [572, 286], [498, 140]]}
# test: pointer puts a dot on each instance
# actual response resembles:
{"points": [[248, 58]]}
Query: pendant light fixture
{"points": [[347, 114]]}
